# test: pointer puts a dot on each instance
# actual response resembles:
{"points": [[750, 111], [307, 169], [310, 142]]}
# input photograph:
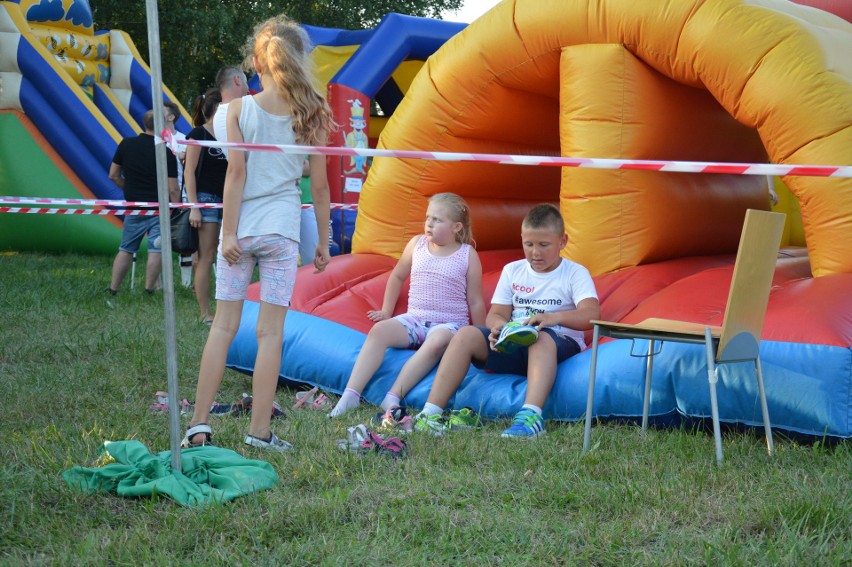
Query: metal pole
{"points": [[165, 232]]}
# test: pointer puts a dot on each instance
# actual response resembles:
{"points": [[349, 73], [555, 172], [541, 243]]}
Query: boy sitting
{"points": [[541, 306]]}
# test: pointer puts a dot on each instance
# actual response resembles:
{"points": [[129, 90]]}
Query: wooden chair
{"points": [[737, 340]]}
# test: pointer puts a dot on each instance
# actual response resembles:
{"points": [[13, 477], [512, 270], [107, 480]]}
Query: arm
{"points": [[475, 302], [115, 175], [578, 319], [235, 179], [174, 190], [401, 271], [189, 182], [497, 318], [319, 193]]}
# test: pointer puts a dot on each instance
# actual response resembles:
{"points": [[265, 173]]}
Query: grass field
{"points": [[75, 372]]}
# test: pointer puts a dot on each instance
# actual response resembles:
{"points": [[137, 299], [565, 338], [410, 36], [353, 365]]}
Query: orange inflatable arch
{"points": [[702, 80]]}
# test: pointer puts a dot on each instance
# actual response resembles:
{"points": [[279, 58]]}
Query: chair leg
{"points": [[712, 378], [649, 372], [587, 435], [770, 446]]}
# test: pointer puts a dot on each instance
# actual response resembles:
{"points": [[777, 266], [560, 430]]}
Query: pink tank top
{"points": [[438, 288]]}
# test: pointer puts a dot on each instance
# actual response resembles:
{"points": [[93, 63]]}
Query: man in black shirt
{"points": [[134, 169]]}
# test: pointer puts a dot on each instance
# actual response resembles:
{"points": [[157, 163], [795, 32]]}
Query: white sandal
{"points": [[195, 430], [355, 439]]}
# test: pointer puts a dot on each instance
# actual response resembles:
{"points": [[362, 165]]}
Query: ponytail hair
{"points": [[205, 106], [281, 48], [458, 211]]}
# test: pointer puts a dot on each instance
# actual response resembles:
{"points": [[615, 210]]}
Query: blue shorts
{"points": [[210, 215], [516, 362], [136, 227]]}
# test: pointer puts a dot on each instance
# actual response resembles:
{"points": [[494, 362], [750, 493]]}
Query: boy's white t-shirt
{"points": [[530, 292]]}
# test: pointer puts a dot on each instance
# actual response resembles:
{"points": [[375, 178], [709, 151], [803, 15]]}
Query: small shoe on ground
{"points": [[514, 336], [355, 439], [527, 424], [465, 418], [395, 419], [271, 444], [243, 407], [433, 424], [112, 292], [393, 447]]}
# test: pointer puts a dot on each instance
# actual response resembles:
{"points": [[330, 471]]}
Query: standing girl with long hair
{"points": [[260, 222]]}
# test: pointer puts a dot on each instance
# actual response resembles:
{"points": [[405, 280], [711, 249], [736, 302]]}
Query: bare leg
{"points": [[383, 335], [541, 370], [119, 268], [424, 360], [152, 270], [467, 345], [267, 364], [208, 238], [228, 314]]}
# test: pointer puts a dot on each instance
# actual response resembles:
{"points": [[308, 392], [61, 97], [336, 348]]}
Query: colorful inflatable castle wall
{"points": [[379, 69], [68, 95], [699, 80]]}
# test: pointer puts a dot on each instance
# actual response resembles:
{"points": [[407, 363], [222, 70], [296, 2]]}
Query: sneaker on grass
{"points": [[527, 424], [514, 336], [433, 424], [465, 418]]}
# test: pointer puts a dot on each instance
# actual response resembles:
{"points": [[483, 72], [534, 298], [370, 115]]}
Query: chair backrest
{"points": [[750, 286]]}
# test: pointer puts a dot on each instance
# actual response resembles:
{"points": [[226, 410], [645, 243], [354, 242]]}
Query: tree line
{"points": [[197, 37]]}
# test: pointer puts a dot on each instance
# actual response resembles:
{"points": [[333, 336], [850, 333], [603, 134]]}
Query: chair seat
{"points": [[664, 326]]}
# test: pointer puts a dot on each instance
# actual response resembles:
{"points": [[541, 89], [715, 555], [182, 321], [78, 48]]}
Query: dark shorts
{"points": [[516, 362]]}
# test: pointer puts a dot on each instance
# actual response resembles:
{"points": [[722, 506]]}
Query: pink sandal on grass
{"points": [[309, 400]]}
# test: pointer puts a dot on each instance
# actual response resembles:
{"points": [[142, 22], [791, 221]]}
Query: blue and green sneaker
{"points": [[465, 418], [514, 336], [433, 424], [527, 424]]}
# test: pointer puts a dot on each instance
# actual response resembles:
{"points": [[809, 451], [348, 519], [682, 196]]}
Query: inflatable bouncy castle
{"points": [[701, 80], [68, 95]]}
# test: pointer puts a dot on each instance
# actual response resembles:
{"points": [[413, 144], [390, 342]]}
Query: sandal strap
{"points": [[198, 428]]}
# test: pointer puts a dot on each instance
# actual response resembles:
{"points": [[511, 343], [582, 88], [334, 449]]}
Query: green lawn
{"points": [[75, 372]]}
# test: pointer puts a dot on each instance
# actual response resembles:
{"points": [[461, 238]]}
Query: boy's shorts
{"points": [[135, 228], [418, 330], [210, 215], [516, 362], [275, 255]]}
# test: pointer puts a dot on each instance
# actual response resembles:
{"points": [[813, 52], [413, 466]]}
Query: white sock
{"points": [[391, 401], [186, 271], [536, 409], [431, 409], [349, 400]]}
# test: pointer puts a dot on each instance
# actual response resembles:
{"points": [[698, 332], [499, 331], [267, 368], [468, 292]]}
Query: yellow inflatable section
{"points": [[714, 80]]}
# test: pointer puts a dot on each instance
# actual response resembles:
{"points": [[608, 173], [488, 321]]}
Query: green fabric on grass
{"points": [[210, 474]]}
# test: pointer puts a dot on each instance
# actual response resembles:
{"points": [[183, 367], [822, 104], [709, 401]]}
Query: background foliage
{"points": [[198, 36]]}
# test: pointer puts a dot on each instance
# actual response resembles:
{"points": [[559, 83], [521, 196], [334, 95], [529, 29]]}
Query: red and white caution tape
{"points": [[96, 212], [590, 163], [108, 203]]}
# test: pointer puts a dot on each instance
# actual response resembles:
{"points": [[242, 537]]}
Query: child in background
{"points": [[445, 294], [260, 221], [550, 299], [205, 183]]}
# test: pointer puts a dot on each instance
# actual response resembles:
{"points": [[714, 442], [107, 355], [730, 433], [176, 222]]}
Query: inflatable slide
{"points": [[698, 80], [68, 95]]}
